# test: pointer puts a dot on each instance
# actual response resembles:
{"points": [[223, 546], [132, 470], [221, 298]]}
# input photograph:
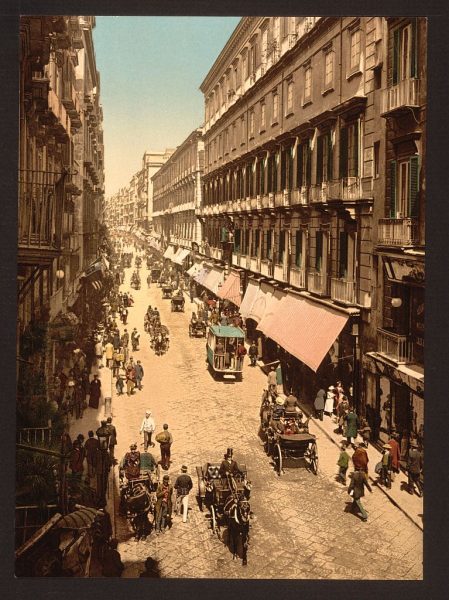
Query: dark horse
{"points": [[135, 504], [238, 510]]}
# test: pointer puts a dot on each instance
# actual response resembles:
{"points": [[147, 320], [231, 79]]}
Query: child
{"points": [[343, 462]]}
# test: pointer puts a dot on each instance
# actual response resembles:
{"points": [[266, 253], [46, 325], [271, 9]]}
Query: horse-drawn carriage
{"points": [[287, 436], [155, 274], [135, 281], [166, 290], [227, 499], [177, 302], [197, 327], [159, 338], [137, 491]]}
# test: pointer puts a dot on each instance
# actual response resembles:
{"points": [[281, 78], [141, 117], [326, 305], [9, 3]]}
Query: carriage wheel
{"points": [[314, 459], [278, 459], [213, 515]]}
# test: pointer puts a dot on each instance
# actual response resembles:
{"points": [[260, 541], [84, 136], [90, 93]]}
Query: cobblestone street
{"points": [[300, 528]]}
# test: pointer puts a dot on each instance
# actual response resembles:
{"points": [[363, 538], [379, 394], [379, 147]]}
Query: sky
{"points": [[150, 72]]}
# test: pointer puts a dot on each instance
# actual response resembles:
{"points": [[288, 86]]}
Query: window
{"points": [[281, 246], [275, 107], [262, 116], [255, 242], [251, 124], [355, 50], [308, 84], [404, 61], [319, 251], [234, 136], [244, 64], [328, 70], [404, 182], [376, 159], [268, 245], [349, 150], [303, 164], [289, 98], [264, 45], [324, 158], [242, 130], [299, 249], [237, 240]]}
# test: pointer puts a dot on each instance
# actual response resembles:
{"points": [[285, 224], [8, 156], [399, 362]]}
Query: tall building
{"points": [[303, 117]]}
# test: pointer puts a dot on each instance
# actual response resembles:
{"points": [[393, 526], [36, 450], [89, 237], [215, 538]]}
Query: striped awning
{"points": [[230, 290], [213, 279], [181, 255], [304, 328], [248, 298], [202, 274]]}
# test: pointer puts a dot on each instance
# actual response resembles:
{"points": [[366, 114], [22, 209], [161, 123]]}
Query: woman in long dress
{"points": [[329, 404]]}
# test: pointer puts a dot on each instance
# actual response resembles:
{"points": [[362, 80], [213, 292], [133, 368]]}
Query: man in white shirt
{"points": [[147, 428]]}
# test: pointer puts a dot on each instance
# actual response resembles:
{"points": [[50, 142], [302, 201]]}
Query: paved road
{"points": [[300, 528]]}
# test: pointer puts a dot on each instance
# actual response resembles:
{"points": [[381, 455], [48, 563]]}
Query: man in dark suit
{"points": [[229, 465], [359, 481]]}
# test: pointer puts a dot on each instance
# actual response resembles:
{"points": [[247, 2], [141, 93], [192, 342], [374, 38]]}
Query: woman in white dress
{"points": [[329, 404]]}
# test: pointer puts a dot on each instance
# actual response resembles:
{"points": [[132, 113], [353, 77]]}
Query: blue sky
{"points": [[150, 71]]}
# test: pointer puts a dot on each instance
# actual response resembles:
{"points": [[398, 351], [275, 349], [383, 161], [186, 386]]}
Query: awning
{"points": [[257, 310], [181, 255], [213, 279], [80, 519], [273, 299], [195, 269], [305, 328], [230, 290], [169, 253], [201, 275], [95, 268], [248, 298]]}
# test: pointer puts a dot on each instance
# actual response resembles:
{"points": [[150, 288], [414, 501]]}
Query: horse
{"points": [[160, 345], [238, 509], [137, 502]]}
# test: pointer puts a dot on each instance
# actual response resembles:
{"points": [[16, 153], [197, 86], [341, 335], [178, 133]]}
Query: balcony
{"points": [[317, 283], [236, 205], [253, 203], [280, 273], [298, 278], [319, 193], [37, 209], [394, 346], [398, 232], [343, 291], [299, 196], [60, 116], [255, 265], [266, 268], [347, 189], [398, 98]]}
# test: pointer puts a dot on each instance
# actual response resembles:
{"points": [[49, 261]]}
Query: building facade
{"points": [[177, 195], [302, 121]]}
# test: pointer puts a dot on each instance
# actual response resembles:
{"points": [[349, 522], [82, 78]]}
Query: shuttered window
{"points": [[392, 189], [343, 255], [298, 249], [413, 186], [299, 165], [319, 250], [403, 53], [343, 152], [404, 187], [237, 240], [281, 247], [269, 245]]}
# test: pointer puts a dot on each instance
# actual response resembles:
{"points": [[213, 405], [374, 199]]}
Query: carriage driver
{"points": [[229, 465], [130, 464]]}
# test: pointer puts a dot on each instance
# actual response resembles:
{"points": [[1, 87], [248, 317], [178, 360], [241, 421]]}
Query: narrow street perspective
{"points": [[221, 275]]}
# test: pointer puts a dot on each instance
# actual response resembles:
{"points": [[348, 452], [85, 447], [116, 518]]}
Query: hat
{"points": [[279, 400], [166, 478], [229, 452], [133, 447], [331, 387], [413, 444], [184, 469]]}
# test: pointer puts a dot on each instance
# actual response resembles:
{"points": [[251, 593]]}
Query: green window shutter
{"points": [[330, 154], [319, 161], [414, 57], [393, 188], [413, 186], [343, 152], [396, 57], [343, 255], [308, 164], [299, 165]]}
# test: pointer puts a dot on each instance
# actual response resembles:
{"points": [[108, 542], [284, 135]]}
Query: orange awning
{"points": [[230, 290], [304, 328]]}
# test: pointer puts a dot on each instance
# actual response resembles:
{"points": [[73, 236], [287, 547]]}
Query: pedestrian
{"points": [[135, 337], [77, 459], [352, 425], [183, 485], [365, 431], [395, 454], [130, 379], [108, 353], [147, 428], [125, 339], [360, 458], [116, 340], [414, 468], [329, 404], [119, 384], [291, 404], [342, 411], [356, 489], [91, 446], [240, 353], [112, 565], [95, 392], [139, 374], [112, 438], [385, 466], [163, 504], [99, 353], [319, 403], [272, 380], [252, 353], [343, 463], [165, 440]]}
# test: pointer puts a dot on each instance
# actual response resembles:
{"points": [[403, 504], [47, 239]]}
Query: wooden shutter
{"points": [[308, 163], [396, 57], [298, 253], [343, 152], [319, 161], [413, 186], [330, 166], [319, 250], [343, 255], [299, 165], [414, 55], [393, 188], [356, 147]]}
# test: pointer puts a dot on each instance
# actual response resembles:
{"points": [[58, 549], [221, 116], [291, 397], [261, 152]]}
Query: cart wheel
{"points": [[213, 515], [314, 459], [278, 459]]}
